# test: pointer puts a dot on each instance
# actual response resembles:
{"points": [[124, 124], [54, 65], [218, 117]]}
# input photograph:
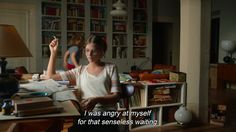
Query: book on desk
{"points": [[36, 106]]}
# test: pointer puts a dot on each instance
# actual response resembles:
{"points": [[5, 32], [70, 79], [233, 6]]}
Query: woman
{"points": [[98, 81]]}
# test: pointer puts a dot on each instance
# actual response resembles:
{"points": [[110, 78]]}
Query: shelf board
{"points": [[155, 106], [164, 83], [51, 16], [75, 4], [124, 46], [123, 33], [75, 17]]}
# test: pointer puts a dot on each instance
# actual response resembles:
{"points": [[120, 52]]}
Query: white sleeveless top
{"points": [[107, 81]]}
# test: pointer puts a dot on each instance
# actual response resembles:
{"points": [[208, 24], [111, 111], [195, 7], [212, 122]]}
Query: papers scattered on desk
{"points": [[50, 86], [64, 95], [58, 90]]}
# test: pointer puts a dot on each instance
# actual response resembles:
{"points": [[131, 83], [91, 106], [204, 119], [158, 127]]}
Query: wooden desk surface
{"points": [[69, 111], [49, 122]]}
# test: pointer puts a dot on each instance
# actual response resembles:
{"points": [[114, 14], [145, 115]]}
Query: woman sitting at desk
{"points": [[98, 81]]}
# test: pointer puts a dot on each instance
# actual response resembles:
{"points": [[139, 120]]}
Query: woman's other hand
{"points": [[88, 104]]}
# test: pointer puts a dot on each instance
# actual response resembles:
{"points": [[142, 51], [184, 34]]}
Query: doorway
{"points": [[215, 32], [162, 43]]}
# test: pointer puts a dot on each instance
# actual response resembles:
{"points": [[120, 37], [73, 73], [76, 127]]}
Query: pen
{"points": [[54, 37]]}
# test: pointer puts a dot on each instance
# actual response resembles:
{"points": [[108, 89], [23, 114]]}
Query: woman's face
{"points": [[92, 53]]}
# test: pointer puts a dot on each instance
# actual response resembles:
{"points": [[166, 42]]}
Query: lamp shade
{"points": [[228, 45], [11, 44], [119, 9]]}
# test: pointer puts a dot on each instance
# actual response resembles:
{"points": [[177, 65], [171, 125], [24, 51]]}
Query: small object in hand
{"points": [[36, 77], [7, 107], [54, 37]]}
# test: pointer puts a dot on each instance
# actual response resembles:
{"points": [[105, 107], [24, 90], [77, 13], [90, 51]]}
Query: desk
{"points": [[69, 111], [225, 73]]}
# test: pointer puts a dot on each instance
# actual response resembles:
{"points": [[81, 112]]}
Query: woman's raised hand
{"points": [[53, 46]]}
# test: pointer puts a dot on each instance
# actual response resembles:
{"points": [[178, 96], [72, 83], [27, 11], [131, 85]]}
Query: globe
{"points": [[183, 116]]}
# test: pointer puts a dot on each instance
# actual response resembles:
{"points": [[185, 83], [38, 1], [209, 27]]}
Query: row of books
{"points": [[119, 26], [119, 39], [52, 24], [98, 26], [119, 52], [98, 12], [139, 52], [140, 15], [76, 1], [98, 2], [139, 40], [54, 11], [75, 24], [76, 11], [140, 27], [140, 4]]}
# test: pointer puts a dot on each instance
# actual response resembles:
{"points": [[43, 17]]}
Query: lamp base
{"points": [[8, 87], [228, 60]]}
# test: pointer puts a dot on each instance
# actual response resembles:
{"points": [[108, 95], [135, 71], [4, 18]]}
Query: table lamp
{"points": [[228, 46], [11, 45]]}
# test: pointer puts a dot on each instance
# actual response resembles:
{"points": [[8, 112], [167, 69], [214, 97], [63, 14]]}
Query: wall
{"points": [[194, 54], [227, 22], [31, 38]]}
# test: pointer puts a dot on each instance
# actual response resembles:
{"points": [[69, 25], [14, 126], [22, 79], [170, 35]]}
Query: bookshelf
{"points": [[51, 17], [98, 20], [51, 20], [75, 18], [128, 38], [159, 100], [119, 35], [140, 18]]}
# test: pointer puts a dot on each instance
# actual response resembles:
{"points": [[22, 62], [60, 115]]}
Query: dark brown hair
{"points": [[98, 41]]}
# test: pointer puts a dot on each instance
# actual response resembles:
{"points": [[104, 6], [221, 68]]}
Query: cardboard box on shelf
{"points": [[177, 76]]}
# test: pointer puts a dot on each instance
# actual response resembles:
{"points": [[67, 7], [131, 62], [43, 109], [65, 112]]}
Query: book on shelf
{"points": [[218, 114], [119, 26]]}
